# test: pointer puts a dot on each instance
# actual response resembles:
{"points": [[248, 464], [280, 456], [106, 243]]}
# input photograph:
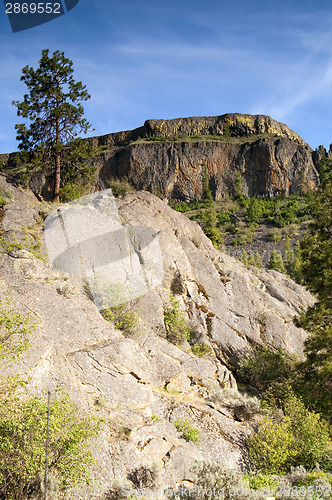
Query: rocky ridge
{"points": [[143, 384], [170, 158]]}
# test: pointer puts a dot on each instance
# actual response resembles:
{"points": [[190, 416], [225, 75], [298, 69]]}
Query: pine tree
{"points": [[258, 261], [53, 106], [244, 258], [316, 272], [288, 252], [276, 262], [207, 193]]}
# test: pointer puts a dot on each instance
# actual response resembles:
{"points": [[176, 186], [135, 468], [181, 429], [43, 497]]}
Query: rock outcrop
{"points": [[170, 158], [143, 384]]}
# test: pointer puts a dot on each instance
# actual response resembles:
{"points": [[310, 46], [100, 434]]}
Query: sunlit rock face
{"points": [[170, 158], [142, 384]]}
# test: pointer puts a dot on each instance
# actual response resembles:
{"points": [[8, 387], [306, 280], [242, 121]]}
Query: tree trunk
{"points": [[56, 198]]}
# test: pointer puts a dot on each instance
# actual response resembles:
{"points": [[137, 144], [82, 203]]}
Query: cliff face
{"points": [[171, 157], [144, 384]]}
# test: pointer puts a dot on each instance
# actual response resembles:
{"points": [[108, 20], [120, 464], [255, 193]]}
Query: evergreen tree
{"points": [[244, 258], [258, 261], [288, 253], [316, 271], [207, 193], [276, 262], [53, 106]]}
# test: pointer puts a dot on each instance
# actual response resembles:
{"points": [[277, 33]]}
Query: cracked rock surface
{"points": [[144, 384]]}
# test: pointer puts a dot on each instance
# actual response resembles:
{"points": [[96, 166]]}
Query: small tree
{"points": [[271, 446], [23, 437], [53, 105], [288, 252], [276, 262], [207, 193]]}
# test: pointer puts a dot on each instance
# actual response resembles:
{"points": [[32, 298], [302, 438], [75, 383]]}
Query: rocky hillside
{"points": [[139, 380], [171, 158]]}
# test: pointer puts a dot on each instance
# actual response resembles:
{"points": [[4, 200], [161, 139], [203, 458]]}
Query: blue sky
{"points": [[176, 58]]}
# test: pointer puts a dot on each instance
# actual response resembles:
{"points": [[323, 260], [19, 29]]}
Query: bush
{"points": [[311, 433], [215, 477], [23, 437], [271, 446], [287, 213], [120, 186], [177, 330], [215, 236], [202, 350], [275, 235], [15, 331], [123, 318], [189, 433], [73, 190], [261, 481], [254, 210], [181, 207], [2, 202], [266, 367], [207, 193], [255, 260], [299, 437]]}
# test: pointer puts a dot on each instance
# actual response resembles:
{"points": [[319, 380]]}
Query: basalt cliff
{"points": [[170, 158]]}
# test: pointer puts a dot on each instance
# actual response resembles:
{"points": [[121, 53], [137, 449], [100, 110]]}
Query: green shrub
{"points": [[266, 367], [189, 433], [261, 481], [15, 332], [7, 245], [156, 139], [215, 236], [244, 258], [287, 213], [120, 186], [275, 235], [299, 437], [2, 202], [181, 207], [224, 217], [254, 210], [202, 350], [293, 231], [207, 193], [255, 260], [73, 190], [177, 330], [311, 433], [123, 317], [243, 236], [23, 437], [271, 447], [31, 242]]}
